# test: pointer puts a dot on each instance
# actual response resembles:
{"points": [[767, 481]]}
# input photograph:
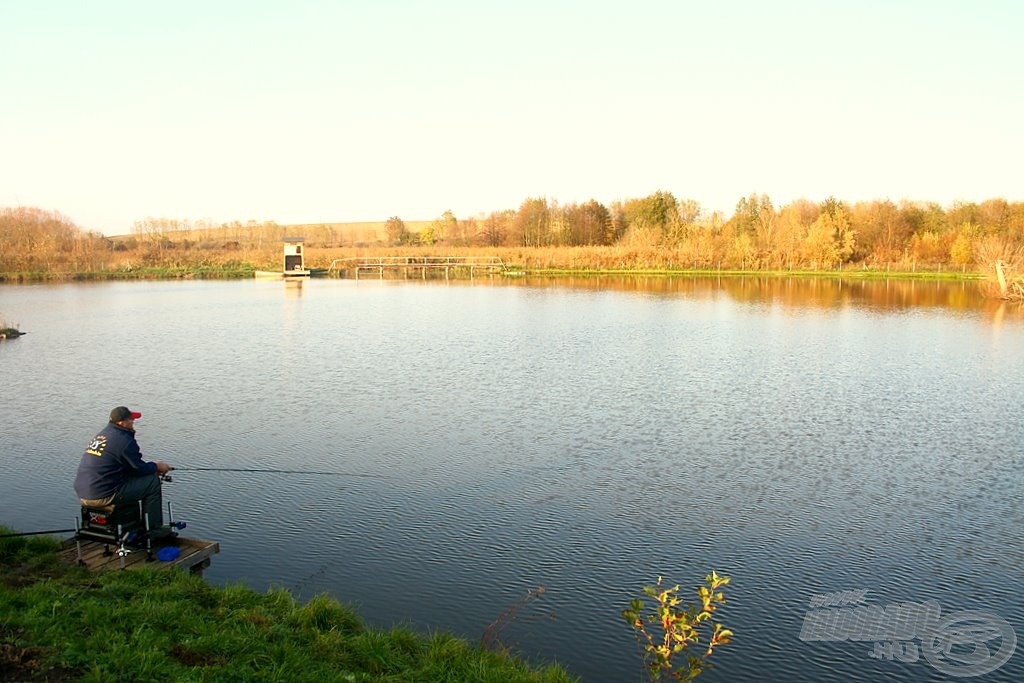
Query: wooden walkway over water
{"points": [[417, 265]]}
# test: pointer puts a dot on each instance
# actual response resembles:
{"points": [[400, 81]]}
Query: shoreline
{"points": [[513, 271]]}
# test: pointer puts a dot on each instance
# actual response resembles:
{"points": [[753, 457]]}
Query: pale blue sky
{"points": [[305, 111]]}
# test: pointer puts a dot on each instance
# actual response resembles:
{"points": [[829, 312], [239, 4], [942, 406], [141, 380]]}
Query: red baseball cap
{"points": [[121, 413]]}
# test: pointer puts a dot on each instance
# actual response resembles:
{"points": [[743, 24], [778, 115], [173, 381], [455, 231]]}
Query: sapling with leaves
{"points": [[667, 629]]}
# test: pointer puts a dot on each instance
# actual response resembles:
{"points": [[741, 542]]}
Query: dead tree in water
{"points": [[1012, 288]]}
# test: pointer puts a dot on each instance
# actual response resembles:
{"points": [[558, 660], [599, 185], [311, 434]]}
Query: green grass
{"points": [[62, 623]]}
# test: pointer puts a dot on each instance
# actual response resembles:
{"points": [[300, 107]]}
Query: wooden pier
{"points": [[379, 265], [194, 555]]}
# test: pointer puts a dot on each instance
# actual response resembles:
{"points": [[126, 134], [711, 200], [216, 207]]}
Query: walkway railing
{"points": [[378, 265]]}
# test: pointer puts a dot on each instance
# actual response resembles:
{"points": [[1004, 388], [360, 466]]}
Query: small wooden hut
{"points": [[294, 263]]}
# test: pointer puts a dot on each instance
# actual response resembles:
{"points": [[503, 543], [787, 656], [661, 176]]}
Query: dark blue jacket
{"points": [[111, 457]]}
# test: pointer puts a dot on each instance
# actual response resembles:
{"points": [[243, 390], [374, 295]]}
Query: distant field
{"points": [[325, 233], [351, 232]]}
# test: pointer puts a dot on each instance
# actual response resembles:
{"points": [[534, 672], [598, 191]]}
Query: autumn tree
{"points": [[703, 246], [586, 223], [654, 215], [1015, 222], [687, 219], [743, 251], [467, 233], [34, 239], [927, 247], [532, 225], [830, 239], [440, 228], [497, 228], [753, 228], [924, 217], [618, 225], [643, 221], [396, 231], [753, 214], [961, 251], [882, 231], [791, 226], [961, 213], [558, 225], [994, 215]]}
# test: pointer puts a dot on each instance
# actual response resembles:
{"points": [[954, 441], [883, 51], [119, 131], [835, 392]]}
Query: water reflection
{"points": [[817, 292], [964, 296]]}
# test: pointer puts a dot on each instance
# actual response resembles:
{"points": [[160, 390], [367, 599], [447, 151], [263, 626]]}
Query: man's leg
{"points": [[148, 490]]}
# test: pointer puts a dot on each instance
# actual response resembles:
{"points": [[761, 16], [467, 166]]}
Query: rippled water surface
{"points": [[494, 437]]}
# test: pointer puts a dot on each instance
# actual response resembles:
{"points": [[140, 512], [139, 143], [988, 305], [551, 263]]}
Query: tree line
{"points": [[757, 236], [802, 234]]}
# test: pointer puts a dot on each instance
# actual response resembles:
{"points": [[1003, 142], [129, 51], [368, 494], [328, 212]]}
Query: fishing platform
{"points": [[109, 537], [421, 265], [194, 555]]}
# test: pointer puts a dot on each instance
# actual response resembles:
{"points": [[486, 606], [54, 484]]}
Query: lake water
{"points": [[804, 437]]}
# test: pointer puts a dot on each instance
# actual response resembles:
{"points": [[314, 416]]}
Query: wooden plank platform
{"points": [[194, 555]]}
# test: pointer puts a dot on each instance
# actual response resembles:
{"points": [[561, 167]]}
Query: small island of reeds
{"points": [[9, 330]]}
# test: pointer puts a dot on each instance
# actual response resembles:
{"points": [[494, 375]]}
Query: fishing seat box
{"points": [[101, 522]]}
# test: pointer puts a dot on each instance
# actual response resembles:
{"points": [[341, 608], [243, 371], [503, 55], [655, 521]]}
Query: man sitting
{"points": [[112, 471]]}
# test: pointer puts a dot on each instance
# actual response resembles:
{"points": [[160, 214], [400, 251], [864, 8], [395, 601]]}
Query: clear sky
{"points": [[317, 111]]}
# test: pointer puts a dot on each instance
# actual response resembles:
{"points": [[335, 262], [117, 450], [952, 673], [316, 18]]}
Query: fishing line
{"points": [[214, 469], [269, 471]]}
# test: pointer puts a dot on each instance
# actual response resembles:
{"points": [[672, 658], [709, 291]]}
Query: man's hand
{"points": [[162, 467]]}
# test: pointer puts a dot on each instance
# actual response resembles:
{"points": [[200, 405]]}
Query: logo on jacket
{"points": [[98, 445]]}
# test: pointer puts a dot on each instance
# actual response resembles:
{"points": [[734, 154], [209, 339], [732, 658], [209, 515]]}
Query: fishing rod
{"points": [[273, 471], [38, 533]]}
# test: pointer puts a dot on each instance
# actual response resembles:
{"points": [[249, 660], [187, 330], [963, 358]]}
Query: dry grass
{"points": [[577, 259]]}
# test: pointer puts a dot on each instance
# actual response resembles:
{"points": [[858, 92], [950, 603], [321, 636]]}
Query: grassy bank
{"points": [[156, 272], [62, 623]]}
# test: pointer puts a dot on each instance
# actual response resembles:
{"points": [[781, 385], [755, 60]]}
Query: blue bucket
{"points": [[168, 553]]}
